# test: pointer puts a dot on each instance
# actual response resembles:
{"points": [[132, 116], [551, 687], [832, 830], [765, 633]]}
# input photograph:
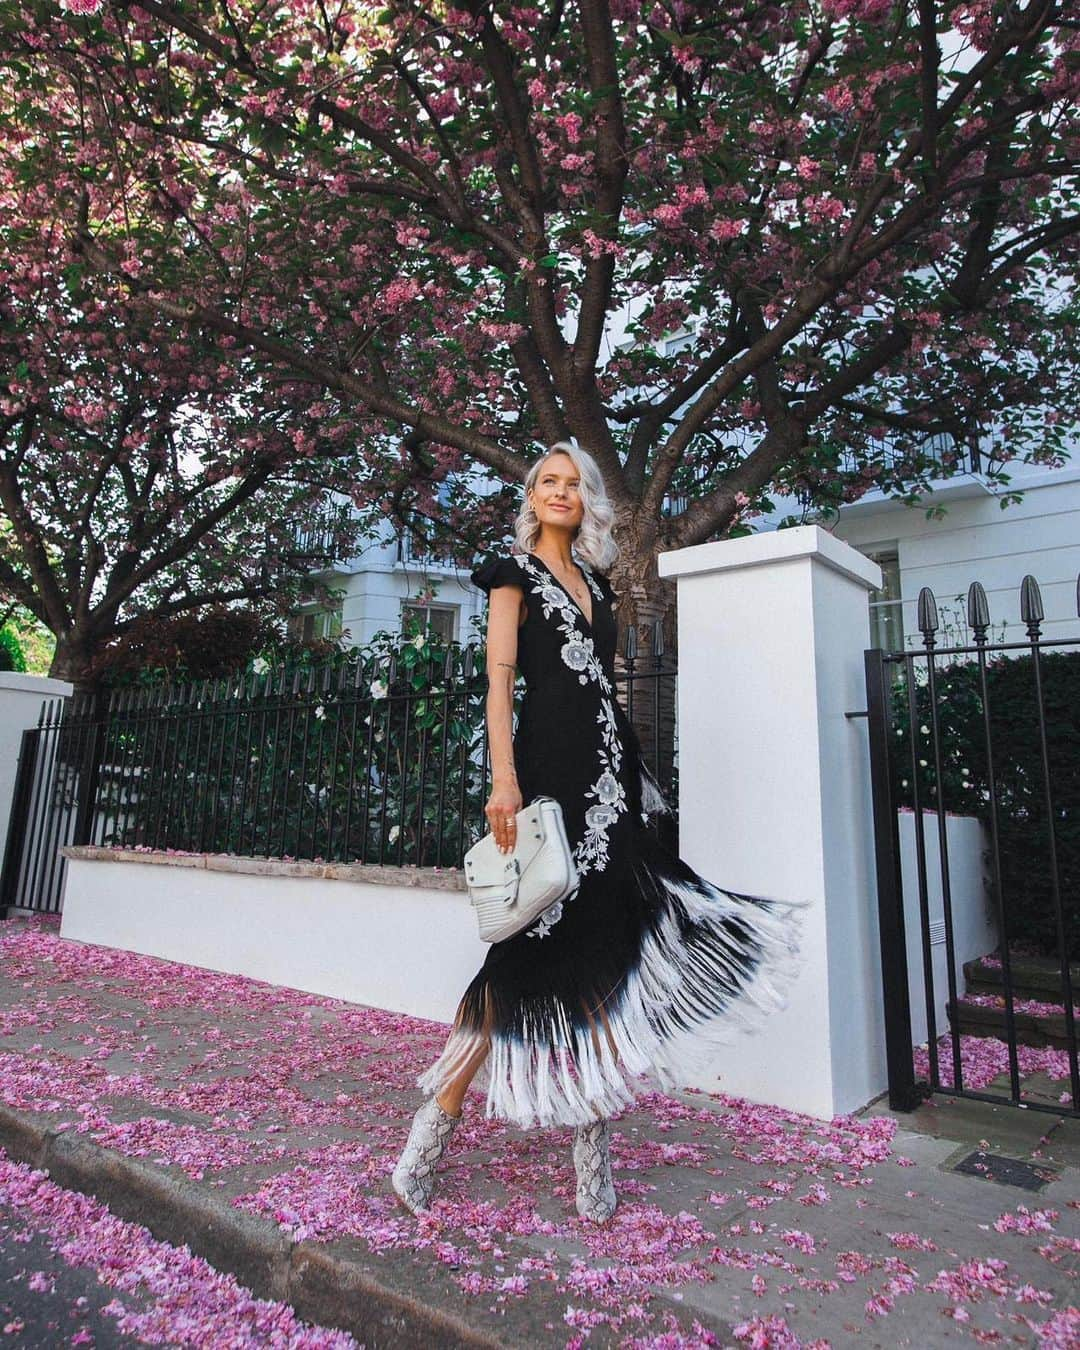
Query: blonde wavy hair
{"points": [[593, 542]]}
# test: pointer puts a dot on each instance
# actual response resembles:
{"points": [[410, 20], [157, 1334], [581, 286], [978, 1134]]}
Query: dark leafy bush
{"points": [[1034, 832], [211, 644], [342, 759]]}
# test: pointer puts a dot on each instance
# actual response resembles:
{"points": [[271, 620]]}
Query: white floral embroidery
{"points": [[579, 654], [576, 655]]}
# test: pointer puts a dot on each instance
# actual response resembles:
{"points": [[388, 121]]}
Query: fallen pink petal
{"points": [[293, 1106]]}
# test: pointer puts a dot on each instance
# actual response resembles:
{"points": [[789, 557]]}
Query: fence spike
{"points": [[658, 639], [928, 618], [978, 609], [1078, 595], [391, 671], [1031, 605], [630, 648], [468, 665]]}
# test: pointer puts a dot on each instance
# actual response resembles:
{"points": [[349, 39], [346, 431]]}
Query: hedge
{"points": [[11, 652], [1024, 822]]}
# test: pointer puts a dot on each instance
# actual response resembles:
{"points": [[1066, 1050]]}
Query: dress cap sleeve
{"points": [[496, 572]]}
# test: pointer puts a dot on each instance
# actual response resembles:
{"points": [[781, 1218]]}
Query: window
{"points": [[312, 624], [439, 619], [886, 605]]}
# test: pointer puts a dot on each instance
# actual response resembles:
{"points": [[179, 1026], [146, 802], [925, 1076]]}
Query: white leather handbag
{"points": [[509, 891]]}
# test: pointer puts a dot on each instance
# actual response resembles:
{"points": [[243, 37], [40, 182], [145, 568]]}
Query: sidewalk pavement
{"points": [[259, 1125]]}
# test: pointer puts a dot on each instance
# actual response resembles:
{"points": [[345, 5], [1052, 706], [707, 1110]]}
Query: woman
{"points": [[605, 985]]}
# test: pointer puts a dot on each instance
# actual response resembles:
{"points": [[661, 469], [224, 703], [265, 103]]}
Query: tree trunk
{"points": [[645, 688], [73, 661]]}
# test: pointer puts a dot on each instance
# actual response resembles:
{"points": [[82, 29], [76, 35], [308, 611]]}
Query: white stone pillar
{"points": [[774, 793], [21, 697]]}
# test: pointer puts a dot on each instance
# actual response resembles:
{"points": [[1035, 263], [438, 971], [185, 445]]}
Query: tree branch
{"points": [[204, 316], [611, 170]]}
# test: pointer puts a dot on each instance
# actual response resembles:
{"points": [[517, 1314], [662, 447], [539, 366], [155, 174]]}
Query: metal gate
{"points": [[975, 775], [55, 787]]}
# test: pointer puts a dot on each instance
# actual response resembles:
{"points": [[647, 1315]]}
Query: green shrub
{"points": [[11, 652], [330, 759], [1019, 778]]}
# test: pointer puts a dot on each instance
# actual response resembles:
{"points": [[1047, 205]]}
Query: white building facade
{"points": [[388, 587], [975, 539]]}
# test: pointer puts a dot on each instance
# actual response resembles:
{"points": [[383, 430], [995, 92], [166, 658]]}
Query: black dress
{"points": [[606, 986]]}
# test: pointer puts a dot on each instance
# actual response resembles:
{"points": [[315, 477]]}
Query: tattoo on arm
{"points": [[506, 664]]}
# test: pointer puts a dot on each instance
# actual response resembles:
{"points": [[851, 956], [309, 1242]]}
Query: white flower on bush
{"points": [[419, 642], [379, 689], [320, 712], [260, 666], [393, 833]]}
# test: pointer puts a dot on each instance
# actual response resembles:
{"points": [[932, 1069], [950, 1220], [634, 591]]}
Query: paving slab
{"points": [[260, 1125]]}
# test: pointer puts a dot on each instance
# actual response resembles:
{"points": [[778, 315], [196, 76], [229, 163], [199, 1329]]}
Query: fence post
{"points": [[90, 770], [774, 794], [903, 1094], [16, 831]]}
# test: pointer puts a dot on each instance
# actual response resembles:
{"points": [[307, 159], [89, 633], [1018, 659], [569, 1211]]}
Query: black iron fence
{"points": [[975, 767], [359, 760], [55, 787]]}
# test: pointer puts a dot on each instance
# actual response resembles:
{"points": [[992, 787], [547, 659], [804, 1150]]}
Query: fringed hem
{"points": [[653, 802], [716, 964]]}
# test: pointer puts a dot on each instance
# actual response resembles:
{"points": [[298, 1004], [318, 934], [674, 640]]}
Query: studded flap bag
{"points": [[510, 891]]}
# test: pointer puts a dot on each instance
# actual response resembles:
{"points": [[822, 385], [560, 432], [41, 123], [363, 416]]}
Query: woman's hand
{"points": [[503, 805]]}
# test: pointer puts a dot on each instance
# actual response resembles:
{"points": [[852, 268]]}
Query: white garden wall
{"points": [[973, 922], [397, 938]]}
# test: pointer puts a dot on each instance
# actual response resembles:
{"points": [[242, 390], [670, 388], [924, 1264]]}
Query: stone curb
{"points": [[372, 874], [320, 1281]]}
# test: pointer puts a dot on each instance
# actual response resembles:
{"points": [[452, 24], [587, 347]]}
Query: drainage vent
{"points": [[1007, 1171]]}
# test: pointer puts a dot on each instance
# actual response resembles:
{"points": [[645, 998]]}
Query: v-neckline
{"points": [[555, 579]]}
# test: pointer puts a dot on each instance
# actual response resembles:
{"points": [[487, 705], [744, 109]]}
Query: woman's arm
{"points": [[504, 609]]}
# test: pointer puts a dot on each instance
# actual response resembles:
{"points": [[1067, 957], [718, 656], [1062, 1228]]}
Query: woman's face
{"points": [[556, 498]]}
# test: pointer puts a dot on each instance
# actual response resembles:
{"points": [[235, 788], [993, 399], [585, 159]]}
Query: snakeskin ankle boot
{"points": [[413, 1178], [592, 1163]]}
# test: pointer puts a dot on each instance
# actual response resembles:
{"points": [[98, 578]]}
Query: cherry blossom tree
{"points": [[143, 470], [476, 226]]}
